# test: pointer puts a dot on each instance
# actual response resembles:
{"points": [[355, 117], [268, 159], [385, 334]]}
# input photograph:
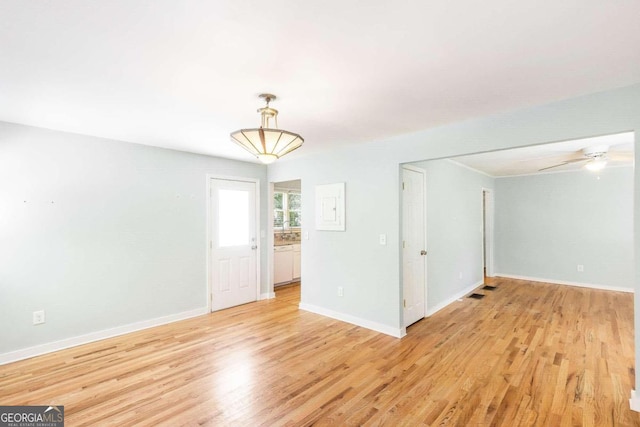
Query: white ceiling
{"points": [[529, 160], [184, 74]]}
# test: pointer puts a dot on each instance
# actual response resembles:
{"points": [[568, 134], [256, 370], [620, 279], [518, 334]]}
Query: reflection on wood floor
{"points": [[525, 354], [289, 293]]}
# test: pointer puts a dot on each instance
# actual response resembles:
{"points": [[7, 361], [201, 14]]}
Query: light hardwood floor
{"points": [[526, 354]]}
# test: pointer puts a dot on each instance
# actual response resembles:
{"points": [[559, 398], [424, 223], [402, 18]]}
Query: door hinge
{"points": [[210, 244], [403, 185], [404, 302], [403, 244]]}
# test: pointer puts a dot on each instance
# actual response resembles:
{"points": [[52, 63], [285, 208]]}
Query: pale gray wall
{"points": [[370, 272], [101, 233], [548, 224], [354, 259], [454, 228]]}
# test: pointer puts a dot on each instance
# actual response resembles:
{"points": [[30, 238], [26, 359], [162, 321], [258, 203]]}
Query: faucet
{"points": [[283, 223]]}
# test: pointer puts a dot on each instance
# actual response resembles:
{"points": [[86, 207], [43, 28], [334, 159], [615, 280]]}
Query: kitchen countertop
{"points": [[288, 238], [286, 242]]}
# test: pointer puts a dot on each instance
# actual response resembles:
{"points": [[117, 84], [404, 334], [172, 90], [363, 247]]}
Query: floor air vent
{"points": [[489, 288], [476, 296]]}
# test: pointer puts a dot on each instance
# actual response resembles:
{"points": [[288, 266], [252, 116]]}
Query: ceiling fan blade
{"points": [[578, 160], [564, 163]]}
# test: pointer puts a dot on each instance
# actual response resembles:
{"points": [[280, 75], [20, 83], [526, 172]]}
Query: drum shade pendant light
{"points": [[267, 143]]}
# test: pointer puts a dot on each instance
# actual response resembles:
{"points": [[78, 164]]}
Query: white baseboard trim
{"points": [[267, 295], [26, 353], [374, 326], [634, 402], [443, 304], [564, 282]]}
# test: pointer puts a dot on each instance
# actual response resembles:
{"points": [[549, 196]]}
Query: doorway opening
{"points": [[487, 232], [287, 223]]}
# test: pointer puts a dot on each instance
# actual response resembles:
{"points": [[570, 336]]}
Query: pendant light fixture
{"points": [[267, 143]]}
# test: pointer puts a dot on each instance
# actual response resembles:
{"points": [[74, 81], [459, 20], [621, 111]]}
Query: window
{"points": [[233, 218], [287, 210]]}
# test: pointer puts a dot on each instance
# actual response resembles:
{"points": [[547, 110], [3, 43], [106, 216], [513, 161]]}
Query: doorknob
{"points": [[254, 247], [423, 252]]}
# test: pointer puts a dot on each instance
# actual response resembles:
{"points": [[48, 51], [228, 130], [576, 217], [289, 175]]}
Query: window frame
{"points": [[286, 211]]}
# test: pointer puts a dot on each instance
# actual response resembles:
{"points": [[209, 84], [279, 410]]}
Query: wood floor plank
{"points": [[527, 354]]}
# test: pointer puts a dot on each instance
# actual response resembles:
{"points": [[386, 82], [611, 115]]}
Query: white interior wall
{"points": [[454, 230], [547, 225], [370, 272], [102, 234]]}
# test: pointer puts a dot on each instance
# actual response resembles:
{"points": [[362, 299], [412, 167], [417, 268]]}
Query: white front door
{"points": [[413, 244], [233, 243]]}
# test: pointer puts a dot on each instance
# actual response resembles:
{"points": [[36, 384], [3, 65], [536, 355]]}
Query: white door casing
{"points": [[233, 242], [413, 244], [488, 204]]}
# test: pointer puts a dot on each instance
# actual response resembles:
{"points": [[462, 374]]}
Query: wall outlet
{"points": [[580, 268], [38, 317], [340, 291], [383, 239]]}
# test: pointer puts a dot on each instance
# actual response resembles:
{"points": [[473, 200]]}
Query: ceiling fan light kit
{"points": [[595, 159], [596, 165], [267, 143]]}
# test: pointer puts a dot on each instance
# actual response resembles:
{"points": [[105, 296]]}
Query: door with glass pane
{"points": [[234, 244]]}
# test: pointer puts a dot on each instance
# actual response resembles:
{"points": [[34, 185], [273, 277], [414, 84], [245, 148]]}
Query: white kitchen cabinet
{"points": [[283, 264], [296, 261]]}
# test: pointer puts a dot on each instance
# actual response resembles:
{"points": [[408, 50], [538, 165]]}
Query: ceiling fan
{"points": [[594, 158]]}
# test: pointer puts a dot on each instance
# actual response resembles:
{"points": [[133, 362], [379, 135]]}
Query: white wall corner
{"points": [[26, 353], [443, 304], [267, 295], [368, 324], [634, 402]]}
